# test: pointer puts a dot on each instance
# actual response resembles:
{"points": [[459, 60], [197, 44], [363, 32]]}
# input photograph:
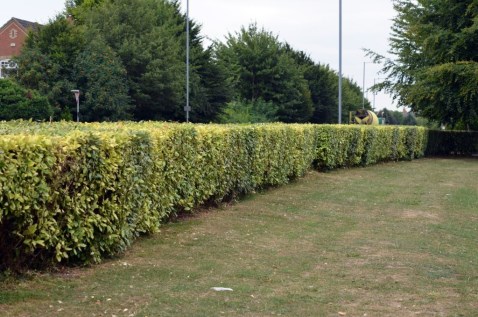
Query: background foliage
{"points": [[19, 103], [436, 54], [452, 143], [260, 68], [141, 72]]}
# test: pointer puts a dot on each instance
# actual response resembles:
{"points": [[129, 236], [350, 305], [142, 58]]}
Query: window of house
{"points": [[7, 66], [13, 33]]}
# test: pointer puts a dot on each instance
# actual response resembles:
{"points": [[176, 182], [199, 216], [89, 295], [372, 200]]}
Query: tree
{"points": [[409, 119], [323, 85], [209, 92], [149, 38], [120, 53], [79, 9], [143, 36], [259, 67], [352, 97], [19, 103], [62, 56], [397, 117], [47, 62], [257, 111], [391, 117], [101, 75], [435, 44]]}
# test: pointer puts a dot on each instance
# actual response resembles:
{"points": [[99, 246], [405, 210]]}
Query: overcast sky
{"points": [[308, 25]]}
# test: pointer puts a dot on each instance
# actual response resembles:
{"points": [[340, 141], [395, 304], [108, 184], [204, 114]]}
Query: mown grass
{"points": [[396, 239]]}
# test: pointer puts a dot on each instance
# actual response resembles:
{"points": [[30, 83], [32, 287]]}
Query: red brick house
{"points": [[12, 37]]}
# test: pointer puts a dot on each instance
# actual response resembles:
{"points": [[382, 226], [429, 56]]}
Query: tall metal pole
{"points": [[77, 109], [374, 93], [363, 87], [187, 108], [76, 92], [340, 61]]}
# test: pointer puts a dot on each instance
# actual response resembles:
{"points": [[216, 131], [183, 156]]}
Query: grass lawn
{"points": [[397, 239]]}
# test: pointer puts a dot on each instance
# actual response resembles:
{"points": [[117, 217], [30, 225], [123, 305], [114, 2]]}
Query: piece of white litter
{"points": [[222, 289]]}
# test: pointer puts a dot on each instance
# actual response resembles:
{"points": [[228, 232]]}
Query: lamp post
{"points": [[363, 84], [373, 107], [374, 92], [340, 61], [187, 108], [77, 97]]}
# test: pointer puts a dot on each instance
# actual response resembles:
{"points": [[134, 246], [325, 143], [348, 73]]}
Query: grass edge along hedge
{"points": [[78, 195]]}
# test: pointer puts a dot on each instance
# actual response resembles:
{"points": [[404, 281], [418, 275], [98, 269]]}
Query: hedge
{"points": [[452, 142], [81, 192]]}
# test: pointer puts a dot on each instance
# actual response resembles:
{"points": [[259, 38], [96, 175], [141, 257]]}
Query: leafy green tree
{"points": [[111, 49], [63, 56], [82, 3], [19, 103], [323, 86], [257, 111], [47, 62], [259, 67], [78, 10], [391, 117], [409, 119], [395, 117], [66, 55], [352, 97], [423, 122], [101, 75], [435, 44], [149, 38], [77, 7], [143, 37], [209, 91]]}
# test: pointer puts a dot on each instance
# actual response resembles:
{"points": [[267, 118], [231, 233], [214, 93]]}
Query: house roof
{"points": [[23, 23], [27, 24]]}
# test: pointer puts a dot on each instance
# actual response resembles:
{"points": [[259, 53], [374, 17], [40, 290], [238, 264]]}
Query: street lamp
{"points": [[187, 108], [77, 97], [363, 84], [340, 61], [374, 92]]}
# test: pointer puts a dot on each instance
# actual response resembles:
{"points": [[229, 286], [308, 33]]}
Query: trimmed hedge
{"points": [[78, 193], [354, 145], [452, 142]]}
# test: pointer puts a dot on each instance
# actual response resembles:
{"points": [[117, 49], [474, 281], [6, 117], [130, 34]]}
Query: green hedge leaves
{"points": [[452, 142], [78, 193]]}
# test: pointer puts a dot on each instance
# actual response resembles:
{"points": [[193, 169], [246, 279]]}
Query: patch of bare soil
{"points": [[421, 215]]}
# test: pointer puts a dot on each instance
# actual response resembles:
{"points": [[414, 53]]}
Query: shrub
{"points": [[452, 142], [80, 192], [258, 111], [18, 103]]}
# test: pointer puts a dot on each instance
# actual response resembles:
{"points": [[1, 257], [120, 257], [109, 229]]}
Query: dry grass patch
{"points": [[396, 239]]}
